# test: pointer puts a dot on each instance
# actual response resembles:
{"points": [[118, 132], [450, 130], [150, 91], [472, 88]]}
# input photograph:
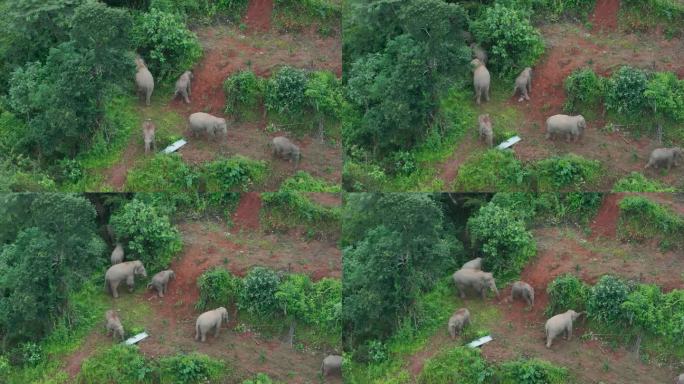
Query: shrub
{"points": [[463, 364], [509, 37], [148, 236], [323, 94], [304, 182], [218, 287], [165, 43], [285, 91], [605, 300], [190, 369], [294, 295], [162, 172], [290, 208], [641, 219], [532, 371], [502, 239], [584, 90], [493, 170], [644, 307], [244, 92], [567, 171], [260, 378], [327, 304], [625, 91], [233, 173], [637, 182], [566, 292], [665, 94], [118, 364], [258, 293]]}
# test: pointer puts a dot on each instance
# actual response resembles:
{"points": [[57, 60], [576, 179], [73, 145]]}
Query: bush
{"points": [[218, 287], [285, 91], [657, 313], [244, 92], [510, 39], [327, 305], [605, 300], [584, 89], [463, 364], [304, 182], [294, 295], [566, 292], [118, 364], [237, 172], [637, 182], [665, 94], [260, 378], [323, 94], [501, 238], [642, 219], [289, 208], [168, 173], [147, 235], [568, 171], [190, 369], [165, 43], [258, 293], [493, 170], [531, 372], [625, 91]]}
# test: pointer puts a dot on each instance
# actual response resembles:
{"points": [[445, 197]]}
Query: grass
{"points": [[298, 15], [493, 170], [642, 219], [637, 182]]}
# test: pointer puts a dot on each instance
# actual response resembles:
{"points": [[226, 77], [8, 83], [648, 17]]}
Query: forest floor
{"points": [[170, 320], [519, 331], [228, 49], [569, 47]]}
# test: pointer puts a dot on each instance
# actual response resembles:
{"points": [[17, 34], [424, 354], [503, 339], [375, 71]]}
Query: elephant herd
{"points": [[121, 271], [199, 122], [569, 127], [471, 277]]}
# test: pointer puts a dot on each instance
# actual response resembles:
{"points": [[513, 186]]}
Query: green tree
{"points": [[665, 95], [258, 295]]}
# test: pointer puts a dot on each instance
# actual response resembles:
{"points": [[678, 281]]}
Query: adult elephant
{"points": [[125, 271]]}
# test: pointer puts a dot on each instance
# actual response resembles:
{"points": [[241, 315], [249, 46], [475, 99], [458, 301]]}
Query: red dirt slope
{"points": [[246, 215], [605, 14], [258, 16]]}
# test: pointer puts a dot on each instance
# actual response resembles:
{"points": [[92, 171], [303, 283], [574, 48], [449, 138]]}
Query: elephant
{"points": [[281, 146], [569, 126], [148, 129], [475, 263], [559, 324], [144, 80], [210, 320], [123, 271], [524, 290], [486, 132], [117, 254], [183, 85], [161, 280], [523, 84], [679, 379], [477, 280], [478, 53], [481, 80], [204, 122], [332, 364], [665, 156], [113, 324], [458, 321]]}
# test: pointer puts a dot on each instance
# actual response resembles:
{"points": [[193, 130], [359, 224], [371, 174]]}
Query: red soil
{"points": [[605, 14], [246, 215], [258, 16], [605, 222], [74, 362]]}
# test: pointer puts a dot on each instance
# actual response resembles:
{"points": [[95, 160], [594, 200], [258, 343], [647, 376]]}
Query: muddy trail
{"points": [[258, 16], [246, 214]]}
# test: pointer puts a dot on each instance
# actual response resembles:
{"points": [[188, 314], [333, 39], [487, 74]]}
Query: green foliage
{"points": [[218, 287], [120, 363], [244, 92], [625, 91], [566, 292], [567, 172], [665, 95], [531, 371], [637, 182], [165, 43], [284, 92], [501, 238], [605, 300], [669, 10], [323, 94], [162, 173], [193, 368], [493, 170], [237, 172], [292, 295], [233, 9], [22, 174], [641, 219], [466, 365], [584, 89], [148, 236], [260, 378], [258, 292], [318, 304], [657, 313], [551, 207], [509, 37], [304, 182]]}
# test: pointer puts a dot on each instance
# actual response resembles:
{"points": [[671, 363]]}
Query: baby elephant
{"points": [[125, 271], [524, 290], [560, 324], [667, 157], [481, 80], [479, 281], [144, 80], [282, 147], [210, 320], [486, 132], [679, 379], [332, 364], [204, 122], [160, 281], [475, 264], [113, 324], [183, 86], [148, 129], [458, 321], [568, 126], [523, 84], [117, 254]]}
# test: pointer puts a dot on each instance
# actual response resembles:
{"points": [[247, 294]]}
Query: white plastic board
{"points": [[480, 341], [174, 147], [135, 339], [508, 143]]}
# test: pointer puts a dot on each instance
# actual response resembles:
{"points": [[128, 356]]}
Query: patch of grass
{"points": [[493, 170], [465, 363], [642, 15], [237, 172], [568, 172], [297, 15], [643, 219], [637, 182], [304, 182]]}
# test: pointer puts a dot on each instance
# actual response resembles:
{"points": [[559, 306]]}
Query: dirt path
{"points": [[605, 222], [449, 169], [605, 14], [246, 214], [73, 363], [258, 16]]}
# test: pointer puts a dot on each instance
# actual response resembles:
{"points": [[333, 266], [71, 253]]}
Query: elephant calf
{"points": [[667, 157], [524, 290], [204, 122], [477, 280], [282, 147], [560, 324], [475, 263], [144, 80], [183, 85], [481, 80], [161, 280], [113, 324], [148, 129], [332, 364], [486, 132], [210, 320], [123, 271], [564, 125], [458, 321], [523, 84], [117, 254]]}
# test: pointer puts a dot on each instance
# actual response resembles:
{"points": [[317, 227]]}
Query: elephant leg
{"points": [[218, 328], [570, 333], [131, 283], [549, 340], [526, 95], [487, 94], [478, 94], [114, 286], [185, 97], [160, 290]]}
